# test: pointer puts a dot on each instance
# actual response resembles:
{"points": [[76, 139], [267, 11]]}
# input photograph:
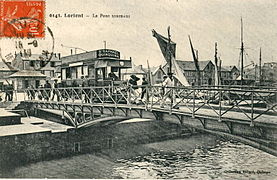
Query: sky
{"points": [[206, 21]]}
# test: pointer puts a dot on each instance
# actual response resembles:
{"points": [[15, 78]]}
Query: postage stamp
{"points": [[22, 19]]}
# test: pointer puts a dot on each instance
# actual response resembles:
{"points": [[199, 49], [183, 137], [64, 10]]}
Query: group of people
{"points": [[133, 83], [168, 81], [9, 91], [44, 92], [137, 93]]}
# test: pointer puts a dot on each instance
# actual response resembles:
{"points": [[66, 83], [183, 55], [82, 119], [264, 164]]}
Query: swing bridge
{"points": [[234, 110]]}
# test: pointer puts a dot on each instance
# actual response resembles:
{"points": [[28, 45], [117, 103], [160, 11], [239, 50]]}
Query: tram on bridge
{"points": [[94, 68]]}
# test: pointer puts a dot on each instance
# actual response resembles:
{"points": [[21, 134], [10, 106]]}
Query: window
{"points": [[77, 147], [51, 73], [37, 83], [32, 64], [26, 84], [68, 73], [159, 75], [52, 64]]}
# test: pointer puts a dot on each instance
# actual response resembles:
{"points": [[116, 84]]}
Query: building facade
{"points": [[269, 72], [229, 74], [5, 72], [34, 69], [207, 72], [157, 74]]}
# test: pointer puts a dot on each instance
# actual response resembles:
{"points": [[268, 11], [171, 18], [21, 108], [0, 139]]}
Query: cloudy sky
{"points": [[206, 21]]}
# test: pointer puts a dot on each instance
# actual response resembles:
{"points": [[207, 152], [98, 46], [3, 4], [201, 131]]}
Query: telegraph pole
{"points": [[105, 44]]}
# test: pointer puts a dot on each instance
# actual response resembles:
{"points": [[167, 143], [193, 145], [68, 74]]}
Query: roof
{"points": [[38, 57], [227, 68], [156, 69], [189, 65], [27, 73], [135, 70], [4, 67]]}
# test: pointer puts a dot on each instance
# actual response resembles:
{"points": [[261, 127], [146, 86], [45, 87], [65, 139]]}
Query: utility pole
{"points": [[105, 44], [242, 53], [219, 71]]}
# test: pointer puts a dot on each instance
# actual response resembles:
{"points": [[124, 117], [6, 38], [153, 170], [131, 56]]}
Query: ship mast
{"points": [[169, 50], [242, 53], [260, 66]]}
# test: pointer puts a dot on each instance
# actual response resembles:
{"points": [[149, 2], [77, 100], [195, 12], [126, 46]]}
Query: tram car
{"points": [[101, 67]]}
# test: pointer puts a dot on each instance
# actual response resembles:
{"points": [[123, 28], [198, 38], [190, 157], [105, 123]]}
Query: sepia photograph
{"points": [[138, 89]]}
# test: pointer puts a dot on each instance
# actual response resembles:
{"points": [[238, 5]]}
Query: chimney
{"points": [[59, 55]]}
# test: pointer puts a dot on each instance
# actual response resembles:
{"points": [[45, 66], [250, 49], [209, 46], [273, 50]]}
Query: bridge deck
{"points": [[203, 112]]}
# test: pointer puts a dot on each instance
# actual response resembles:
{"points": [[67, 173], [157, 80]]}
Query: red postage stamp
{"points": [[22, 18]]}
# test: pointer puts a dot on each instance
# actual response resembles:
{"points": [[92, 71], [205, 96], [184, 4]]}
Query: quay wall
{"points": [[23, 148]]}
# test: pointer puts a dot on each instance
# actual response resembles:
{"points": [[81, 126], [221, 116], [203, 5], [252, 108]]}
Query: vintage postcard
{"points": [[138, 89]]}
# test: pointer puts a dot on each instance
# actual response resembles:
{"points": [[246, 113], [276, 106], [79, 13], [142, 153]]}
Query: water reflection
{"points": [[228, 160]]}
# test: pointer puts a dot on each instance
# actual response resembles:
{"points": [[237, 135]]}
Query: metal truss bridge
{"points": [[243, 111]]}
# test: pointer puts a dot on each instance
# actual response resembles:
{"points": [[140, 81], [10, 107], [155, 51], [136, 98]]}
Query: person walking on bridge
{"points": [[132, 83], [143, 88], [47, 87], [168, 85], [55, 91]]}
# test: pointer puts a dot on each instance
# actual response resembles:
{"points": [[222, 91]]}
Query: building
{"points": [[34, 69], [269, 72], [98, 67], [139, 71], [5, 72], [229, 74], [157, 74], [207, 72], [42, 63], [24, 79]]}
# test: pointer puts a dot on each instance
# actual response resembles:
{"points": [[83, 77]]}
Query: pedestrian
{"points": [[86, 90], [7, 93], [133, 86], [143, 88], [40, 92], [55, 90], [47, 87], [11, 89], [168, 85], [163, 88], [31, 92]]}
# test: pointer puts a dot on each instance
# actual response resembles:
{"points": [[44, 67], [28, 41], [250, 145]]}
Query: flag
{"points": [[169, 55]]}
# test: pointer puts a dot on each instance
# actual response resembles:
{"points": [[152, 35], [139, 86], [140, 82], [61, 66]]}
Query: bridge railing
{"points": [[219, 102]]}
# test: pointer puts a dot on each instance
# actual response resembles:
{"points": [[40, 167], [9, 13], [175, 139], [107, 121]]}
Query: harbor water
{"points": [[170, 159]]}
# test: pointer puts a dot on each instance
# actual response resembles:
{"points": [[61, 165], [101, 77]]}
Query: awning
{"points": [[113, 63]]}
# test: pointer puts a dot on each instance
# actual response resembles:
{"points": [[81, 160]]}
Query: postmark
{"points": [[27, 46], [24, 19]]}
